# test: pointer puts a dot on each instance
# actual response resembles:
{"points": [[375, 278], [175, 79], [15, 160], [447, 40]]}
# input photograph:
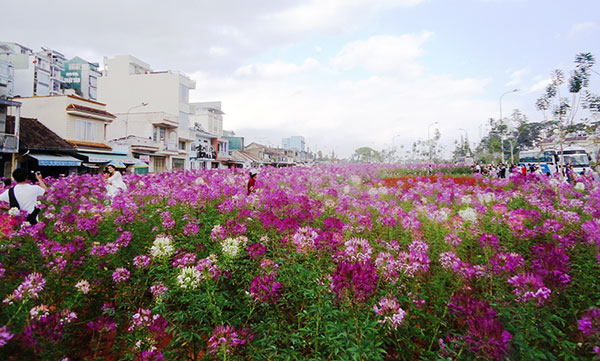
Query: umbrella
{"points": [[139, 164], [117, 163]]}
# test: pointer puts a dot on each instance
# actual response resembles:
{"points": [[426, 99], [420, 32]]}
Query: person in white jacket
{"points": [[114, 181]]}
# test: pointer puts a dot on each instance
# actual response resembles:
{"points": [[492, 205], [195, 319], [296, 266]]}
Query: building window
{"points": [[86, 130], [181, 145], [159, 133], [159, 164], [178, 163]]}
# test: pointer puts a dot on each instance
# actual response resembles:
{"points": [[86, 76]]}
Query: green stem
{"points": [[436, 331], [357, 331]]}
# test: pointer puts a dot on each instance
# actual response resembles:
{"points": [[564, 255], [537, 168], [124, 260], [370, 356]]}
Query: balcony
{"points": [[9, 143]]}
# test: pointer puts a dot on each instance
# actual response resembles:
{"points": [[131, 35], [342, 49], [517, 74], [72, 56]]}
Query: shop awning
{"points": [[49, 160], [107, 157]]}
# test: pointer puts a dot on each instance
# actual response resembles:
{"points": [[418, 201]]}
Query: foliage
{"points": [[320, 263]]}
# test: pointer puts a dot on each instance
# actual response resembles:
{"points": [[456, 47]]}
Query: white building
{"points": [[81, 122], [210, 116], [7, 76], [149, 105], [205, 156], [82, 76], [35, 73]]}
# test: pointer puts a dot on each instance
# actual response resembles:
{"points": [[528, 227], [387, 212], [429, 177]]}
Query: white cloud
{"points": [[383, 54], [317, 15], [538, 86], [584, 28], [276, 69], [516, 77], [342, 114], [217, 50]]}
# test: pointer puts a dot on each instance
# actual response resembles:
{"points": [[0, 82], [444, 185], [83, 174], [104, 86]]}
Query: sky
{"points": [[342, 73]]}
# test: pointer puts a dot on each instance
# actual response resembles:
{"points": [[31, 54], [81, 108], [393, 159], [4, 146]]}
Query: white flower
{"points": [[468, 214], [230, 247], [162, 247], [355, 180], [189, 277], [199, 181], [466, 199], [83, 286], [580, 186], [487, 197], [13, 211]]}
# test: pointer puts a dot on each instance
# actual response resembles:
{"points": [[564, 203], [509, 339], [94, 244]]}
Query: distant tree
{"points": [[366, 155], [563, 109]]}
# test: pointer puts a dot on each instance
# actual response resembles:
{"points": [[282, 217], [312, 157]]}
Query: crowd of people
{"points": [[501, 170]]}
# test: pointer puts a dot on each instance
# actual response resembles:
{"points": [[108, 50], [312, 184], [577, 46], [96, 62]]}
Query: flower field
{"points": [[323, 263]]}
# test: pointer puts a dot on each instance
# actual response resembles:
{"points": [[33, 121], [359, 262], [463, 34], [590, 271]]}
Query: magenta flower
{"points": [[120, 275], [191, 229], [5, 335], [264, 288], [29, 288], [158, 290], [390, 312], [226, 339], [141, 261], [357, 280]]}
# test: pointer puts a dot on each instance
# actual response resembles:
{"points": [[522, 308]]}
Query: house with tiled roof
{"points": [[81, 122], [42, 149]]}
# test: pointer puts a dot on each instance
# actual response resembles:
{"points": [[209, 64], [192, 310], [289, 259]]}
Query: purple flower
{"points": [[256, 250], [264, 288], [226, 339], [485, 334], [191, 229], [120, 275], [141, 261], [158, 290], [30, 287], [356, 280], [5, 335]]}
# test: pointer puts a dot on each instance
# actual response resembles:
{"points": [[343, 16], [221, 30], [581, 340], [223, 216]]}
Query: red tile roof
{"points": [[33, 135]]}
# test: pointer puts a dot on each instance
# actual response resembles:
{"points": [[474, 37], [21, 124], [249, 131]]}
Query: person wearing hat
{"points": [[252, 180]]}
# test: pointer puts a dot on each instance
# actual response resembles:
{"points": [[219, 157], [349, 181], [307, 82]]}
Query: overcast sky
{"points": [[342, 73]]}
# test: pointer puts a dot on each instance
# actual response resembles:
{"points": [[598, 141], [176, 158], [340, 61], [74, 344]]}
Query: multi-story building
{"points": [[295, 142], [57, 66], [35, 73], [205, 156], [7, 78], [210, 116], [149, 105], [9, 138], [82, 76]]}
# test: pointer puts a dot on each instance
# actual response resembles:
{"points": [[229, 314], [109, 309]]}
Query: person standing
{"points": [[23, 195], [252, 181], [114, 181]]}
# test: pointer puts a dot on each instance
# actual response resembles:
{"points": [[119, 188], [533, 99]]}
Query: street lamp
{"points": [[502, 134], [127, 117]]}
